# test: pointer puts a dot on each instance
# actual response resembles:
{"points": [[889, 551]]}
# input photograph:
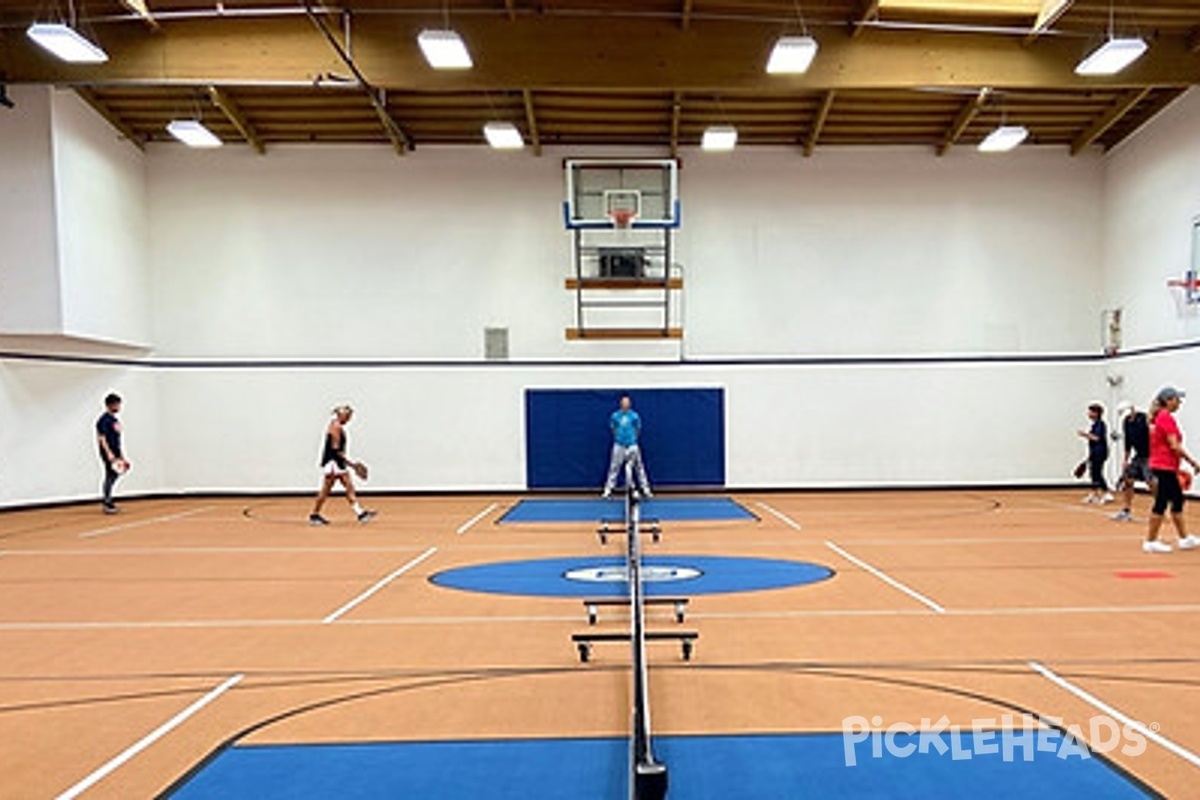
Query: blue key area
{"points": [[753, 767], [604, 576], [665, 509]]}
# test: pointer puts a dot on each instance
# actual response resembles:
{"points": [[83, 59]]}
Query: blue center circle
{"points": [[604, 576]]}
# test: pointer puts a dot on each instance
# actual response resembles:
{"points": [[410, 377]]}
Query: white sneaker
{"points": [[1108, 498], [1156, 547], [606, 494], [1189, 542], [1122, 516], [1091, 498]]}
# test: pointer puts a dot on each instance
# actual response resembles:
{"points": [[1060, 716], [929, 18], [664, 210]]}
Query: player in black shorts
{"points": [[1135, 433], [108, 436], [335, 468]]}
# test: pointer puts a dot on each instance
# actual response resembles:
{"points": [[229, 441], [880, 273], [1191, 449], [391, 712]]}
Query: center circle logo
{"points": [[657, 573]]}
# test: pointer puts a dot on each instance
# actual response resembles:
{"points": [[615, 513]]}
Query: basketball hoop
{"points": [[1189, 286], [622, 218]]}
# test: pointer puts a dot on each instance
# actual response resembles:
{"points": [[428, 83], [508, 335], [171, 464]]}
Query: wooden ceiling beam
{"points": [[685, 15], [229, 107], [575, 54], [119, 125], [531, 121], [676, 115], [965, 117], [142, 9], [1050, 13], [814, 133], [510, 6], [1110, 118], [870, 13]]}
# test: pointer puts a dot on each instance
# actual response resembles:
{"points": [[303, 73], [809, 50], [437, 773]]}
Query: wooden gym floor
{"points": [[133, 646]]}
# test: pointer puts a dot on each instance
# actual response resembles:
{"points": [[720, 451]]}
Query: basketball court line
{"points": [[143, 522], [779, 515], [159, 551], [1124, 719], [883, 576], [1080, 539], [153, 736], [466, 526], [1032, 611], [382, 582]]}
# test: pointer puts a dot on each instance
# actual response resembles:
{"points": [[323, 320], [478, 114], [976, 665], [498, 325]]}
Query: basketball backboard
{"points": [[604, 193]]}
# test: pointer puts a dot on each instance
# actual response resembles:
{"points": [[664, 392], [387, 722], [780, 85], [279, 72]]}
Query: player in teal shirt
{"points": [[626, 425]]}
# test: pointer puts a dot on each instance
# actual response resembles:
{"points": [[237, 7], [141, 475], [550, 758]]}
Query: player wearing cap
{"points": [[1166, 452], [1135, 466]]}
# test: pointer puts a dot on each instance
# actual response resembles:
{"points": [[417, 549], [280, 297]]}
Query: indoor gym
{"points": [[860, 348]]}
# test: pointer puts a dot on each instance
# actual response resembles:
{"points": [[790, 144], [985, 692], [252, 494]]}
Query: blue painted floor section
{"points": [[666, 509], [603, 576], [754, 767]]}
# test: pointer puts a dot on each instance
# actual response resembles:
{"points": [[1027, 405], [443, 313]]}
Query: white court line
{"points": [[999, 540], [159, 551], [466, 526], [148, 739], [890, 581], [23, 627], [788, 520], [382, 582], [1124, 719], [143, 522]]}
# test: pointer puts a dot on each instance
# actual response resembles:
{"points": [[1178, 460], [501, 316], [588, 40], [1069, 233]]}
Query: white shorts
{"points": [[332, 469]]}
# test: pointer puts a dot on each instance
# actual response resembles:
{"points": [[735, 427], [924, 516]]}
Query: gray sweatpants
{"points": [[619, 454]]}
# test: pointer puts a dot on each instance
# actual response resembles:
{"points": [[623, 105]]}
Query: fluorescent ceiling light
{"points": [[1020, 8], [193, 133], [1003, 139], [444, 49], [66, 43], [1111, 57], [503, 136], [792, 54], [719, 138]]}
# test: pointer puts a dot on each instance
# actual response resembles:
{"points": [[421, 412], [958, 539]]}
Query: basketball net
{"points": [[622, 218]]}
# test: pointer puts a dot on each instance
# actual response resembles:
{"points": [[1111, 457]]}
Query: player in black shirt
{"points": [[1097, 439], [1135, 432], [335, 468], [108, 435]]}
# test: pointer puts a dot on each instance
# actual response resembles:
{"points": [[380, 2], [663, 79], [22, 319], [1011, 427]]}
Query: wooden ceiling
{"points": [[615, 72]]}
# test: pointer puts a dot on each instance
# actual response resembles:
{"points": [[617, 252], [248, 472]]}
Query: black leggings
{"points": [[110, 480], [1168, 492], [1097, 473]]}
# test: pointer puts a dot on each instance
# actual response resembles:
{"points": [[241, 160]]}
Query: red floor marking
{"points": [[1142, 574]]}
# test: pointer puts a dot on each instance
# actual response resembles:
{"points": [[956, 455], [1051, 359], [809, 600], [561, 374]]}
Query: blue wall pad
{"points": [[755, 767], [567, 440], [664, 509], [604, 576]]}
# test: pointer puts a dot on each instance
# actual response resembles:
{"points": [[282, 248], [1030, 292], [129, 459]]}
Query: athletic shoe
{"points": [[1108, 498], [317, 519], [1091, 498], [109, 508], [646, 493], [606, 494], [1156, 547], [366, 516], [1122, 516], [1189, 542]]}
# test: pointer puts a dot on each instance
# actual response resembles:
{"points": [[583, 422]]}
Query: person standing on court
{"points": [[1097, 439], [1135, 466], [335, 468], [626, 426], [108, 435], [1166, 453]]}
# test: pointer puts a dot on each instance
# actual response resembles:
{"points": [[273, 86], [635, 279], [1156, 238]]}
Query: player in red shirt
{"points": [[1166, 451]]}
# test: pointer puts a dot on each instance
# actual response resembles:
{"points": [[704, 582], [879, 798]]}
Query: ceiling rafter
{"points": [[676, 118], [685, 14], [531, 121], [119, 125], [229, 107], [1050, 13], [870, 13], [964, 119], [1110, 118], [814, 133]]}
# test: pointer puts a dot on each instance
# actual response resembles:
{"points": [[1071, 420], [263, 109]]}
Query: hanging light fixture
{"points": [[193, 133], [1115, 54], [792, 54]]}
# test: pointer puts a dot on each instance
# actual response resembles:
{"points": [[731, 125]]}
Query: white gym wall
{"points": [[335, 254]]}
